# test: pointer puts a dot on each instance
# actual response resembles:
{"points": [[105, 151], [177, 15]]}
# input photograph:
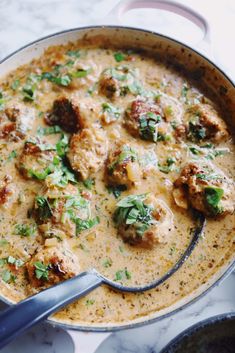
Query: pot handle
{"points": [[87, 342], [204, 46]]}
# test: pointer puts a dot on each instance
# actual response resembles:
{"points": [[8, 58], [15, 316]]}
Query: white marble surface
{"points": [[22, 21]]}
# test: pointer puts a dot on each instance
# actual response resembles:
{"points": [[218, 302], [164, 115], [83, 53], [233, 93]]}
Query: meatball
{"points": [[66, 113], [60, 208], [122, 167], [143, 221], [142, 119], [6, 190], [170, 107], [118, 81], [15, 121], [88, 151], [109, 86], [206, 189], [36, 160], [203, 122], [51, 265]]}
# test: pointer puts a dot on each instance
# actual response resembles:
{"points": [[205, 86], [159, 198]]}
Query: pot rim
{"points": [[197, 327], [222, 276]]}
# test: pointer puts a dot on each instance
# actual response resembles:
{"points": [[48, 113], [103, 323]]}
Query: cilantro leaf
{"points": [[43, 207], [119, 57], [86, 224], [213, 197], [41, 270], [25, 230]]}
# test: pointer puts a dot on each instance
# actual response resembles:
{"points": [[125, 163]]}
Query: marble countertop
{"points": [[22, 21]]}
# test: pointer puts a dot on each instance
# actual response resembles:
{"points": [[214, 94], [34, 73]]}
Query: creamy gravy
{"points": [[100, 246]]}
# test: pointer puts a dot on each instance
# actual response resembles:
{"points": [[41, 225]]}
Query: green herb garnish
{"points": [[111, 110], [74, 53], [88, 183], [90, 302], [86, 224], [25, 230], [15, 84], [119, 56], [11, 156], [7, 276], [127, 154], [132, 210], [116, 190], [43, 207], [168, 167], [213, 197], [41, 271], [122, 275], [107, 263], [48, 130]]}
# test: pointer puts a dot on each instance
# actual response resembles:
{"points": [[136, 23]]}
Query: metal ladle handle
{"points": [[20, 317]]}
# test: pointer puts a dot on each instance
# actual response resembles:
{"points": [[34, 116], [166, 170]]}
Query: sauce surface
{"points": [[44, 167]]}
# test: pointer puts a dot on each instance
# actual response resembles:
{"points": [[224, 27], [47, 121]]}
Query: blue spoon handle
{"points": [[18, 318]]}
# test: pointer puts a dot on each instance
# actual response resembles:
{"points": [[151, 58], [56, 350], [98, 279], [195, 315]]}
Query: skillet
{"points": [[197, 64]]}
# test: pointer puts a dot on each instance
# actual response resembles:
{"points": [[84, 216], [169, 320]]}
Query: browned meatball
{"points": [[109, 86], [59, 209], [66, 113], [203, 122], [51, 265], [119, 81], [88, 151], [143, 221], [122, 167], [15, 121], [36, 160], [142, 118], [206, 189], [6, 189]]}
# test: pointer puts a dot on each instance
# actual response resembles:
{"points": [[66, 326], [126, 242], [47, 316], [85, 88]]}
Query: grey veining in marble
{"points": [[22, 21]]}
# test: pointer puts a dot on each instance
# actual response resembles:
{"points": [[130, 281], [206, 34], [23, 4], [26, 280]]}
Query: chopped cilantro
{"points": [[131, 210], [184, 93], [81, 73], [194, 150], [15, 84], [7, 276], [74, 53], [54, 77], [62, 145], [41, 271], [2, 101], [111, 110], [127, 154], [116, 190], [43, 207], [29, 92], [88, 183], [213, 197], [119, 56], [25, 230], [11, 156], [85, 224], [168, 167], [2, 262], [147, 124], [90, 302], [3, 242], [122, 275], [107, 263], [196, 130], [49, 130]]}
